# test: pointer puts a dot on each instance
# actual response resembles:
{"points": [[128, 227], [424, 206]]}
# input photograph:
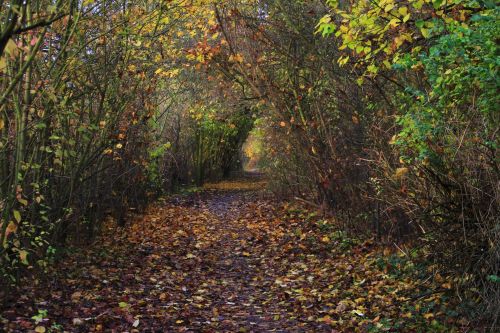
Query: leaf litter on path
{"points": [[230, 259]]}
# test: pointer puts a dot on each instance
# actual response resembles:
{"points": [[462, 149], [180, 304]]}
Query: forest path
{"points": [[206, 262], [226, 259]]}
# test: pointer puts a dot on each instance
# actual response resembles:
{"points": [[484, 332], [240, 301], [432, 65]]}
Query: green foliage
{"points": [[154, 167], [219, 139], [462, 71]]}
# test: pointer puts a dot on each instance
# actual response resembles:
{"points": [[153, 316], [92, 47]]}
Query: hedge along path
{"points": [[228, 259]]}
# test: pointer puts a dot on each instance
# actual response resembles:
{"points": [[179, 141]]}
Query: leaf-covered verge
{"points": [[231, 259]]}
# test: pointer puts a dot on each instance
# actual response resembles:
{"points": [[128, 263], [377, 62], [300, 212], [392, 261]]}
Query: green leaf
{"points": [[123, 305], [372, 69], [426, 33], [418, 4], [332, 3], [437, 3], [493, 278], [419, 24], [326, 29], [17, 216]]}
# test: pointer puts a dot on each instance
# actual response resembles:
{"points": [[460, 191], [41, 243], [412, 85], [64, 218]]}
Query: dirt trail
{"points": [[226, 259], [192, 264]]}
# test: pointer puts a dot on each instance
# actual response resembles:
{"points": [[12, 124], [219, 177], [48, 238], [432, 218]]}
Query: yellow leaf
{"points": [[3, 64], [394, 22], [11, 48], [22, 201], [388, 7], [343, 60], [40, 329], [23, 256], [326, 319], [75, 297], [359, 313], [400, 172], [238, 58]]}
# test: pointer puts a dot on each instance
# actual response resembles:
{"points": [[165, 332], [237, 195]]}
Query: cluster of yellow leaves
{"points": [[376, 33]]}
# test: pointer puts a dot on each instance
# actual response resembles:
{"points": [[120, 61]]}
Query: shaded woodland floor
{"points": [[231, 259]]}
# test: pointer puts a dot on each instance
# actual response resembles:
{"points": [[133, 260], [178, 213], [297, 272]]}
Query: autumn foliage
{"points": [[382, 116]]}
